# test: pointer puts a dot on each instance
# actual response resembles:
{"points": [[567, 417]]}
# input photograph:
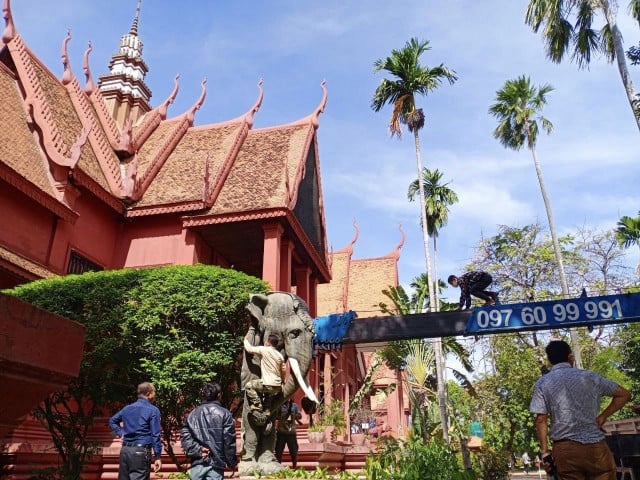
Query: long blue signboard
{"points": [[552, 314]]}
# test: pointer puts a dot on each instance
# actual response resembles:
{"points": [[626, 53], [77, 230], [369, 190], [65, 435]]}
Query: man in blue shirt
{"points": [[571, 397], [138, 424]]}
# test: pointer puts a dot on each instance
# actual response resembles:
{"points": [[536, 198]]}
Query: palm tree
{"points": [[560, 36], [517, 108], [410, 79], [416, 359], [438, 198], [628, 233]]}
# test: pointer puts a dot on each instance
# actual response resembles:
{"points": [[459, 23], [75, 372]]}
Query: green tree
{"points": [[517, 108], [174, 326], [580, 38], [409, 79], [439, 197]]}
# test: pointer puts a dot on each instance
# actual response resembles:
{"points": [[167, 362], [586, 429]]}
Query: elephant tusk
{"points": [[295, 369]]}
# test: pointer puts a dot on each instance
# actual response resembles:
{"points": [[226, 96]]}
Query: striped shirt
{"points": [[572, 399]]}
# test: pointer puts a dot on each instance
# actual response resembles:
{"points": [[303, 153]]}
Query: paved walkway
{"points": [[532, 475]]}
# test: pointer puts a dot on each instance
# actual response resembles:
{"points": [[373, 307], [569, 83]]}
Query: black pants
{"points": [[135, 463], [291, 441], [478, 289]]}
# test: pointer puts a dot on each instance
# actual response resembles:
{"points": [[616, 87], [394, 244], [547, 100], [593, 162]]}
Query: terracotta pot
{"points": [[358, 439], [316, 437]]}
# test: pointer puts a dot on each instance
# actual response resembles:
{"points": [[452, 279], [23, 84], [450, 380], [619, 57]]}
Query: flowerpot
{"points": [[316, 437]]}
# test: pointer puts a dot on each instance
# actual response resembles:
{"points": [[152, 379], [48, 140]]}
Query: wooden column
{"points": [[303, 274], [286, 249], [271, 254], [313, 297]]}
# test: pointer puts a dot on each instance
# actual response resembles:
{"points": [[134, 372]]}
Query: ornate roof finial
{"points": [[320, 108], [9, 29], [196, 106], [162, 109], [349, 247], [134, 25], [256, 106], [396, 252], [67, 76], [90, 86]]}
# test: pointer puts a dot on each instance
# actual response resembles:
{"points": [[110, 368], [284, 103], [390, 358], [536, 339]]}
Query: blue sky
{"points": [[590, 161]]}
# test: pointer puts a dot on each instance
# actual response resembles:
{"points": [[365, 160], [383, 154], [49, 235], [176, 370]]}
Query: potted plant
{"points": [[316, 433], [332, 417], [360, 423]]}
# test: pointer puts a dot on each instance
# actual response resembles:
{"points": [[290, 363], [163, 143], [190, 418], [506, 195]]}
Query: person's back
{"points": [[573, 398], [208, 437], [570, 398]]}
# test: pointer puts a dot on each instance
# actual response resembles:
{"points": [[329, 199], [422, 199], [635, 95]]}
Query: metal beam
{"points": [[403, 327], [518, 317]]}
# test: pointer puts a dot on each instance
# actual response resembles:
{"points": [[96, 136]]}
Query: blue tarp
{"points": [[331, 329]]}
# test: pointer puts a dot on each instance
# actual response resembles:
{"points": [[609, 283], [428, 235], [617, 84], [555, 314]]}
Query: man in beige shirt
{"points": [[273, 371]]}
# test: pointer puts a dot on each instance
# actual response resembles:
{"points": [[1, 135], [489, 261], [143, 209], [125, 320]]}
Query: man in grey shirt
{"points": [[571, 397]]}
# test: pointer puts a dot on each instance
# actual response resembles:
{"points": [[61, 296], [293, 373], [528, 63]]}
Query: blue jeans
{"points": [[205, 472]]}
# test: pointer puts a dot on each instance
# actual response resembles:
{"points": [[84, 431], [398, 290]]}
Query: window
{"points": [[80, 264]]}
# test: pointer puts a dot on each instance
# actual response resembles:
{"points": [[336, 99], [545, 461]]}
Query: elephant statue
{"points": [[287, 316]]}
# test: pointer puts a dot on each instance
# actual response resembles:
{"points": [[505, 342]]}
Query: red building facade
{"points": [[93, 177]]}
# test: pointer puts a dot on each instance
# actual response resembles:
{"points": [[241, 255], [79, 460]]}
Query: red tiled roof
{"points": [[18, 147], [181, 178], [276, 155]]}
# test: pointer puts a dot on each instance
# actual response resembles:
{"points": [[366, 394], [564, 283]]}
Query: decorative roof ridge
{"points": [[164, 106], [154, 118], [117, 139], [247, 215], [248, 117], [36, 103], [67, 74], [313, 118], [90, 86], [164, 209], [223, 172], [349, 247], [99, 143], [142, 183], [395, 253], [9, 31], [190, 114]]}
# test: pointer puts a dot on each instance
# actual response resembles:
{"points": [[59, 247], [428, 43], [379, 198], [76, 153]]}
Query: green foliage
{"points": [[414, 460], [492, 465], [174, 326], [332, 415], [318, 473]]}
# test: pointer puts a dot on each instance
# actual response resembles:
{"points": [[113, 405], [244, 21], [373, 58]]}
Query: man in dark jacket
{"points": [[473, 283], [209, 437]]}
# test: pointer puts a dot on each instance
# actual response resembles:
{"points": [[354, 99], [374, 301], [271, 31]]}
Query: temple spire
{"points": [[134, 25], [123, 88]]}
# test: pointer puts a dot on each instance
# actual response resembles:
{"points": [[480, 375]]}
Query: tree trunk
{"points": [[436, 342], [621, 58], [575, 344]]}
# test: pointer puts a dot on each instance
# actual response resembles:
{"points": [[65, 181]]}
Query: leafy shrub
{"points": [[175, 326], [492, 465], [414, 460]]}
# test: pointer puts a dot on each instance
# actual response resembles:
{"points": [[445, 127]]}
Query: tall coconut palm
{"points": [[581, 39], [438, 198], [410, 79], [517, 108]]}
